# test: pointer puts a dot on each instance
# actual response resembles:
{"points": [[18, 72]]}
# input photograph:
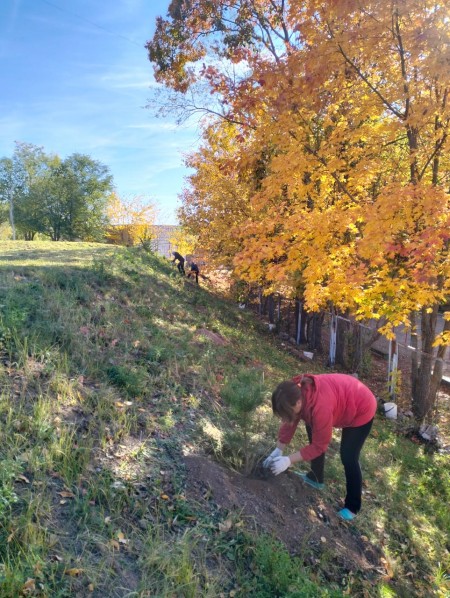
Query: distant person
{"points": [[324, 402], [177, 257], [194, 271]]}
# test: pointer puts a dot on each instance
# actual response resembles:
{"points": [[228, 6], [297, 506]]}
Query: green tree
{"points": [[63, 199], [76, 199], [7, 192], [31, 166]]}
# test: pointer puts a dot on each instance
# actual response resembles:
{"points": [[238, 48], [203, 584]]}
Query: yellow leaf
{"points": [[29, 587], [114, 544], [73, 572], [66, 494]]}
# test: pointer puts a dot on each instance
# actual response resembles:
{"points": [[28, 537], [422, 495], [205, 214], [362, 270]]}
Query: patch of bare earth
{"points": [[286, 509]]}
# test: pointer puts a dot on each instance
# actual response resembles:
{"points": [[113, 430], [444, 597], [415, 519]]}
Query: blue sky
{"points": [[74, 77]]}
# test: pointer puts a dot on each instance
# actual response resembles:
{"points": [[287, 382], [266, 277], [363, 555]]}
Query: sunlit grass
{"points": [[105, 383]]}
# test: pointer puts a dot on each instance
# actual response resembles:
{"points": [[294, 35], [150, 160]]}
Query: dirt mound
{"points": [[285, 508]]}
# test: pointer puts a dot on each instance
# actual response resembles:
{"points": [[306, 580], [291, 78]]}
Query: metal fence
{"points": [[340, 341]]}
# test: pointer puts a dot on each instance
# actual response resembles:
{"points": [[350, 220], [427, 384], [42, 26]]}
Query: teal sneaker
{"points": [[346, 515], [309, 481]]}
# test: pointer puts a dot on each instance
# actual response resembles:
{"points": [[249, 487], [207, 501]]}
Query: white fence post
{"points": [[333, 336], [392, 369]]}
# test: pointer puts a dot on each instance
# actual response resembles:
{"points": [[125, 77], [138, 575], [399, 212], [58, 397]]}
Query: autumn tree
{"points": [[132, 220], [216, 197], [183, 240], [349, 101]]}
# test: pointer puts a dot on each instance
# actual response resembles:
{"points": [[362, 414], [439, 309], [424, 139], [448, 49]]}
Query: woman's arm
{"points": [[295, 458]]}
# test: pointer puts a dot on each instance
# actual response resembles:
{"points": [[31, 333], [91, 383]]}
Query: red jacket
{"points": [[333, 401]]}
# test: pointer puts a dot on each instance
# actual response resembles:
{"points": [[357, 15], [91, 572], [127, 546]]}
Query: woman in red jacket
{"points": [[324, 402]]}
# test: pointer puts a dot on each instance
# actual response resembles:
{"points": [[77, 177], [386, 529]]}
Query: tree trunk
{"points": [[343, 331], [315, 322], [11, 217], [425, 381], [300, 314], [357, 352], [438, 369], [271, 308]]}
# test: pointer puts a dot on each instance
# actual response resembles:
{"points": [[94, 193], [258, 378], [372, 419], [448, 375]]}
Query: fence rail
{"points": [[327, 333]]}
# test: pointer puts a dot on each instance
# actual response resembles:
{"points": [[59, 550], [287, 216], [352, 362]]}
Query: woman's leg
{"points": [[318, 464], [351, 445]]}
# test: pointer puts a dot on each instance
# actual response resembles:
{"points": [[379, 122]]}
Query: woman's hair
{"points": [[286, 396]]}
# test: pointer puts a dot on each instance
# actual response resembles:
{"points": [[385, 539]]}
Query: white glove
{"points": [[273, 455], [279, 464]]}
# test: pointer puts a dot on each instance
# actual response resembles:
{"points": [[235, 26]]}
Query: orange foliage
{"points": [[347, 102]]}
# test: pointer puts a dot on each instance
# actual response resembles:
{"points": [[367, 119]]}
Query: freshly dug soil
{"points": [[287, 509]]}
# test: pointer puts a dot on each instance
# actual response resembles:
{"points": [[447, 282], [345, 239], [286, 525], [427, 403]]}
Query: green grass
{"points": [[104, 379]]}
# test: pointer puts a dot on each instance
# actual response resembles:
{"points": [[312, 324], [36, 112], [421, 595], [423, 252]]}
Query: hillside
{"points": [[127, 473]]}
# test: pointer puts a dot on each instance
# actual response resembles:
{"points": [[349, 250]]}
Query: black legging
{"points": [[352, 442]]}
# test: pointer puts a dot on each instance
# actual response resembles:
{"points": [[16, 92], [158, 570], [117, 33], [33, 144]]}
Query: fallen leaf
{"points": [[114, 544], [73, 572], [29, 587], [37, 570], [226, 525], [22, 478], [66, 494]]}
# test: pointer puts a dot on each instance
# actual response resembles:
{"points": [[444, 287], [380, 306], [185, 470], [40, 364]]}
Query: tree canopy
{"points": [[340, 110], [60, 198]]}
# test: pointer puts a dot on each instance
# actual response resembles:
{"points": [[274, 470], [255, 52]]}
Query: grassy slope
{"points": [[105, 381]]}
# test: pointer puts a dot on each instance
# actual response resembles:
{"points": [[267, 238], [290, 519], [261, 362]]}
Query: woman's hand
{"points": [[280, 464], [273, 455]]}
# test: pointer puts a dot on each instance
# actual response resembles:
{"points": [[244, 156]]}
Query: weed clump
{"points": [[133, 382]]}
